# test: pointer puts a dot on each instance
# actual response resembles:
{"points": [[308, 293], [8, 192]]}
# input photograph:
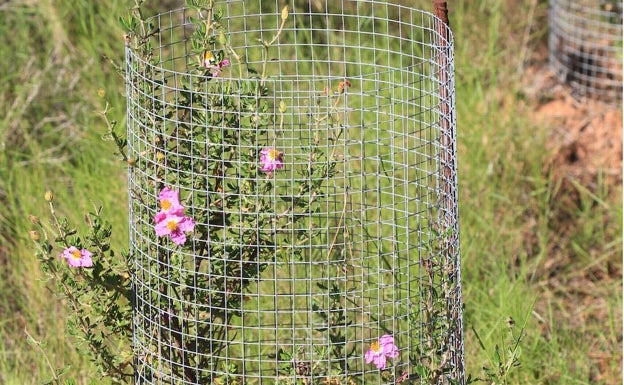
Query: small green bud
{"points": [[222, 39]]}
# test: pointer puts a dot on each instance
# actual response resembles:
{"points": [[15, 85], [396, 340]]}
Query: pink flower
{"points": [[217, 69], [169, 204], [175, 226], [209, 62], [170, 220], [403, 377], [380, 350], [271, 159], [77, 258]]}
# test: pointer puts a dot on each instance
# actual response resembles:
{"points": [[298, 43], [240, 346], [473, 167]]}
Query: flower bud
{"points": [[49, 196], [34, 220], [222, 39], [343, 84], [285, 13], [34, 235]]}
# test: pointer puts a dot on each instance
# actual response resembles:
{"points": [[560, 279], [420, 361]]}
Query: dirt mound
{"points": [[585, 144], [587, 140]]}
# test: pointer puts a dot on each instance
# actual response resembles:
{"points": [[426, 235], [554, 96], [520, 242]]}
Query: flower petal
{"points": [[369, 356], [86, 260], [186, 224], [178, 237], [380, 361]]}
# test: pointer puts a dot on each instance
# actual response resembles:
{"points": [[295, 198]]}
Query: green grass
{"points": [[515, 249]]}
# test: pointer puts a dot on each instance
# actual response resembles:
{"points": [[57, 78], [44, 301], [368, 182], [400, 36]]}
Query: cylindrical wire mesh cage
{"points": [[585, 46], [293, 202]]}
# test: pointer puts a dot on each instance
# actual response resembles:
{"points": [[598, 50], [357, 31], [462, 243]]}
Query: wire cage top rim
{"points": [[586, 8], [387, 3], [441, 44], [585, 47]]}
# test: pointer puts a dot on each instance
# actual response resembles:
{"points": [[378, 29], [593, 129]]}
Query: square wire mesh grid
{"points": [[585, 46], [296, 275]]}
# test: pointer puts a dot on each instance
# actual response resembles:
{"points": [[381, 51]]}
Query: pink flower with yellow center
{"points": [[271, 160], [169, 204], [381, 350], [170, 220], [175, 226], [77, 258], [210, 63]]}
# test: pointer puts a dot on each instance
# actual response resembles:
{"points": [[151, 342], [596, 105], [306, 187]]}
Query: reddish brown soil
{"points": [[587, 138]]}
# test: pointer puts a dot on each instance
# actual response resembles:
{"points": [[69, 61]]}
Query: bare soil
{"points": [[586, 141]]}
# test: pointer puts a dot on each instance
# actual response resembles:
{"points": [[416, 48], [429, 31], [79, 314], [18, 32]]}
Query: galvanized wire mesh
{"points": [[292, 276], [585, 46]]}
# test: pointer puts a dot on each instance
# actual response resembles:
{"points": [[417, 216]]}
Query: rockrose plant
{"points": [[218, 205]]}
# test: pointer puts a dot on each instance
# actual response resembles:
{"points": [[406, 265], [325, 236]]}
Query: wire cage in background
{"points": [[309, 156], [585, 46]]}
